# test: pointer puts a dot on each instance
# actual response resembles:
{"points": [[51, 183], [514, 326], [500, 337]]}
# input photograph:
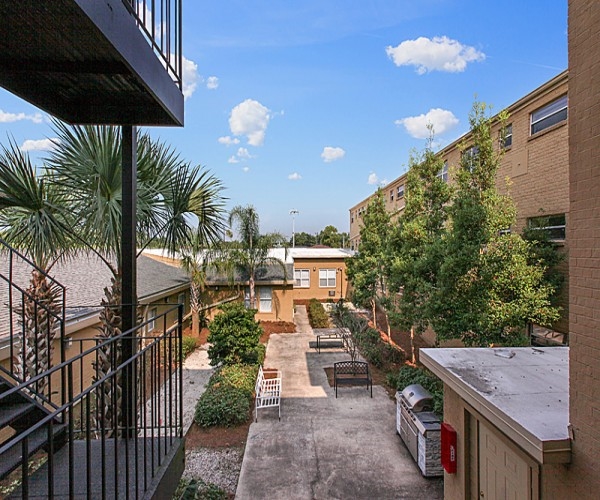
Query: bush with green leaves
{"points": [[238, 376], [410, 374], [197, 489], [234, 335], [188, 345], [228, 397], [223, 405], [316, 314]]}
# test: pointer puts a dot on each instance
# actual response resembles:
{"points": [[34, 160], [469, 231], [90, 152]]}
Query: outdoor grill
{"points": [[419, 428]]}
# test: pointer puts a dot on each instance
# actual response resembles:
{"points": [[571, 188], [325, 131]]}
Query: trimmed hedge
{"points": [[228, 398], [316, 314]]}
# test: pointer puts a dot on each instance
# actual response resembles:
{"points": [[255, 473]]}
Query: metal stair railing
{"points": [[91, 449], [15, 297]]}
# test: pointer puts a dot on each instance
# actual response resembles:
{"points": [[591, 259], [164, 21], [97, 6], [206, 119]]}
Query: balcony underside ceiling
{"points": [[85, 61]]}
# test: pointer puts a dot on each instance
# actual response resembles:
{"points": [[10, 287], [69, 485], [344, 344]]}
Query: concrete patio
{"points": [[323, 447]]}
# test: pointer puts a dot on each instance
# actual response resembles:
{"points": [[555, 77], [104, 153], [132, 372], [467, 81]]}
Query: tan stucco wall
{"points": [[555, 479], [315, 291], [454, 484], [282, 301]]}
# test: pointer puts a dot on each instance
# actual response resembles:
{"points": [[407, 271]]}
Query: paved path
{"points": [[326, 448]]}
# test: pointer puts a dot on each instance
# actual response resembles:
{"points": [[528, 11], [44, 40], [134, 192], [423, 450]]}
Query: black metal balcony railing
{"points": [[161, 23], [107, 453]]}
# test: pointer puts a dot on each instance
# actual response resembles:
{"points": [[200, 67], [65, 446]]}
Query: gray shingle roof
{"points": [[85, 277]]}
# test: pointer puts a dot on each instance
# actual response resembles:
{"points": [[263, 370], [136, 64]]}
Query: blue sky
{"points": [[311, 104]]}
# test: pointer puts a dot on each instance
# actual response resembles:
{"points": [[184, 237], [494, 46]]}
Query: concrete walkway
{"points": [[326, 448]]}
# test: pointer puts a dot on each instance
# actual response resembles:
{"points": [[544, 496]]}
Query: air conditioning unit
{"points": [[332, 293]]}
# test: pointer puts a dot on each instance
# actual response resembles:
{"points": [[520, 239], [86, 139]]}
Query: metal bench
{"points": [[352, 373], [268, 390]]}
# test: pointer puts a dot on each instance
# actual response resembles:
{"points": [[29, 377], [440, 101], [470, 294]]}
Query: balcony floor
{"points": [[117, 481], [85, 62]]}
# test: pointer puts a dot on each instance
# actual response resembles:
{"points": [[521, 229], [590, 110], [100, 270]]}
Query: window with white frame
{"points": [[470, 157], [548, 115], [265, 299], [327, 278], [302, 278], [391, 195], [506, 137], [152, 313], [553, 225], [400, 191], [443, 173]]}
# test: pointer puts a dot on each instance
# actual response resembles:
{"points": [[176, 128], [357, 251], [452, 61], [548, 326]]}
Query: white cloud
{"points": [[243, 153], [233, 159], [16, 117], [228, 140], [40, 144], [246, 169], [441, 120], [212, 83], [373, 179], [330, 154], [190, 77], [250, 118], [436, 54], [295, 176]]}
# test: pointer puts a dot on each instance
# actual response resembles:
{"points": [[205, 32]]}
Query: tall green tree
{"points": [[303, 239], [330, 237], [35, 221], [487, 288], [366, 269], [416, 240], [250, 252]]}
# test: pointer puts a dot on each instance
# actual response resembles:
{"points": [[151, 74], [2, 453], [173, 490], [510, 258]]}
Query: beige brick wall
{"points": [[584, 234]]}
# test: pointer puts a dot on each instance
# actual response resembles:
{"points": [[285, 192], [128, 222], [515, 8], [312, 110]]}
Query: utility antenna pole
{"points": [[293, 213]]}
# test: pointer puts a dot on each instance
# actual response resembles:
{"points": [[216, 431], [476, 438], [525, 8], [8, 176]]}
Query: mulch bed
{"points": [[217, 437]]}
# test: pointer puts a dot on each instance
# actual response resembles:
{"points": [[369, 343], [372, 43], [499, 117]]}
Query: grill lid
{"points": [[417, 397]]}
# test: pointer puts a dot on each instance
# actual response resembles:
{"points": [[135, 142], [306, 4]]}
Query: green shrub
{"points": [[228, 397], [223, 404], [410, 374], [316, 314], [239, 376], [234, 335], [197, 489], [188, 345]]}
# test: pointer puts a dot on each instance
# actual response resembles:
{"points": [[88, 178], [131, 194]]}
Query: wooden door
{"points": [[503, 473]]}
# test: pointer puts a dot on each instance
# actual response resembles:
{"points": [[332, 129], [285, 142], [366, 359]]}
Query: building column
{"points": [[128, 268]]}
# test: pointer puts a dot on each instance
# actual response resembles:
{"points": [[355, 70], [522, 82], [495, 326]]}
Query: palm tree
{"points": [[33, 221], [171, 194], [251, 252]]}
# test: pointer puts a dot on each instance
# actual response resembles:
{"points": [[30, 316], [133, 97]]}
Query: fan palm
{"points": [[170, 195], [33, 220], [251, 252]]}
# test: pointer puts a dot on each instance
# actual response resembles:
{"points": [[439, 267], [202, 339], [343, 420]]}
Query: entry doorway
{"points": [[499, 470]]}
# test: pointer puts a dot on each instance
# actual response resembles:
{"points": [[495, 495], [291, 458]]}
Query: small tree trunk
{"points": [[109, 357], [252, 295], [38, 317], [413, 358], [374, 306], [195, 307]]}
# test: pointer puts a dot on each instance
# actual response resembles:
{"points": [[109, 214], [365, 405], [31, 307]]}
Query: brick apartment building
{"points": [[536, 160], [526, 420]]}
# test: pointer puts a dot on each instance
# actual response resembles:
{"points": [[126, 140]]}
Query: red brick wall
{"points": [[584, 235]]}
